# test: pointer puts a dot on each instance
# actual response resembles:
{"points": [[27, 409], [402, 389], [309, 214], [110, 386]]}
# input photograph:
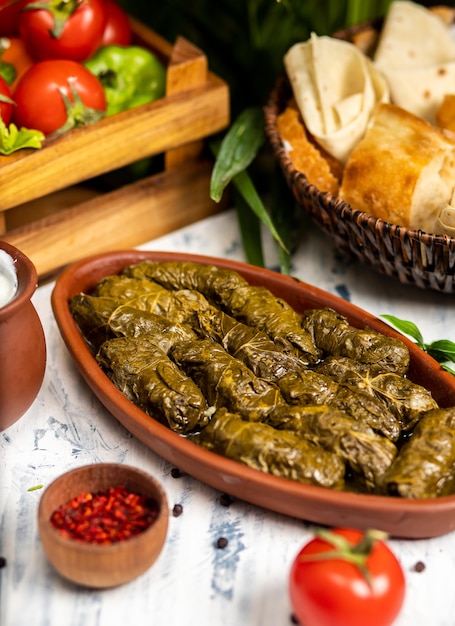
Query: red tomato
{"points": [[335, 592], [80, 34], [9, 17], [6, 102], [41, 105], [118, 29]]}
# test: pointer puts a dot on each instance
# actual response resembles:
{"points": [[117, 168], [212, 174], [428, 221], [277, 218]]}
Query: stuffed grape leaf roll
{"points": [[333, 335], [368, 454], [226, 289], [101, 318], [252, 346], [403, 398], [224, 380], [92, 315], [147, 377], [425, 465], [216, 283], [259, 307], [178, 306], [309, 387], [281, 453]]}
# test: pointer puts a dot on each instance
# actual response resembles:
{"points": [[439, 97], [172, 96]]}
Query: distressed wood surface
{"points": [[193, 581]]}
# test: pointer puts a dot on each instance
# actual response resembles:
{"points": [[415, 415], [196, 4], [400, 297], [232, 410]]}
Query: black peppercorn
{"points": [[419, 566], [177, 510], [226, 500], [221, 542]]}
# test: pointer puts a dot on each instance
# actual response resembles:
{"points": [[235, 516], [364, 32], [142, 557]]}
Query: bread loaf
{"points": [[402, 171]]}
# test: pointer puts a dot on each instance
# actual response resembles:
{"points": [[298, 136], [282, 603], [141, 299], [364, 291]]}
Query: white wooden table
{"points": [[193, 582]]}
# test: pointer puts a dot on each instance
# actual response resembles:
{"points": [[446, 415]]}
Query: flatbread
{"points": [[416, 54], [305, 156], [336, 88], [402, 171], [445, 116]]}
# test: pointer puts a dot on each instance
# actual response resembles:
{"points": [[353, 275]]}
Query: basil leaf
{"points": [[407, 328], [442, 350]]}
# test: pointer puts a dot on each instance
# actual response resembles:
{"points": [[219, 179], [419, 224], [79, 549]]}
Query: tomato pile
{"points": [[345, 577], [45, 84]]}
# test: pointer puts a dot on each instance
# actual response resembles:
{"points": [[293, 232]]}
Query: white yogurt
{"points": [[8, 278]]}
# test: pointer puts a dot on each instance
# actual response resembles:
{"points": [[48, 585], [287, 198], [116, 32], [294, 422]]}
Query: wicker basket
{"points": [[412, 256]]}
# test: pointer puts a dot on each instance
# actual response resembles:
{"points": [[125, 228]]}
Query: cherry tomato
{"points": [[6, 102], [9, 17], [76, 36], [40, 97], [118, 29], [334, 591], [14, 53]]}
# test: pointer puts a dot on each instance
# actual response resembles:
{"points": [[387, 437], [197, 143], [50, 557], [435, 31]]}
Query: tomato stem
{"points": [[357, 553], [77, 114], [61, 10]]}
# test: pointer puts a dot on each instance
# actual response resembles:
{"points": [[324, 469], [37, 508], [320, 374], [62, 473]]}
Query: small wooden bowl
{"points": [[93, 565]]}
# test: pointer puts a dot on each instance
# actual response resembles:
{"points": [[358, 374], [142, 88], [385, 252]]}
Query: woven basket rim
{"points": [[272, 109]]}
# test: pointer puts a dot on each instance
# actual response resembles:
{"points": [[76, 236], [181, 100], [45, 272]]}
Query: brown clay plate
{"points": [[399, 517]]}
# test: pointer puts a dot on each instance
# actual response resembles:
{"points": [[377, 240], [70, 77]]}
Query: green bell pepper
{"points": [[130, 75]]}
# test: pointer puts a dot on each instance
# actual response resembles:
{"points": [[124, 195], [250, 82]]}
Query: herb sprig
{"points": [[442, 350]]}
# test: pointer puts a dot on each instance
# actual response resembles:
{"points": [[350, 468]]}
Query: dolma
{"points": [[309, 387], [259, 307], [123, 288], [179, 306], [252, 346], [224, 380], [367, 454], [425, 465], [343, 369], [92, 315], [333, 335], [101, 318], [281, 453], [253, 305], [147, 377], [403, 398], [216, 283]]}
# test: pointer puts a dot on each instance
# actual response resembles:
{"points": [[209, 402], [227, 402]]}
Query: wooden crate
{"points": [[48, 213]]}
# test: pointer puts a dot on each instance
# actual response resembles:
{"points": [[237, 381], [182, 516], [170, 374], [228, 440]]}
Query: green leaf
{"points": [[442, 350], [238, 149], [7, 71], [407, 328], [245, 186], [13, 139], [250, 230], [282, 209]]}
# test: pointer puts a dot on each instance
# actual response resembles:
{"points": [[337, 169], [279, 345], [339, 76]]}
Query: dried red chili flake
{"points": [[105, 517]]}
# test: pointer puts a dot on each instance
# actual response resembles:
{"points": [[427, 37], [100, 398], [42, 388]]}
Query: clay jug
{"points": [[22, 343]]}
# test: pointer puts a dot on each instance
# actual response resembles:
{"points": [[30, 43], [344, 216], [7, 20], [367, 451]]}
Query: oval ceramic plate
{"points": [[399, 517]]}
